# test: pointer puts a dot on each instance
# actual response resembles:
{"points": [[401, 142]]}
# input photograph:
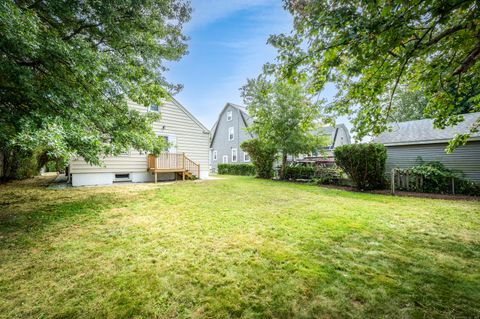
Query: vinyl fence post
{"points": [[392, 177]]}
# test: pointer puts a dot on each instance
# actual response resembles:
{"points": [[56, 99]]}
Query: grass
{"points": [[237, 247]]}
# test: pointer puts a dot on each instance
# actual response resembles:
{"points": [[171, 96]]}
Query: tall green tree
{"points": [[371, 48], [284, 116], [68, 68], [409, 106]]}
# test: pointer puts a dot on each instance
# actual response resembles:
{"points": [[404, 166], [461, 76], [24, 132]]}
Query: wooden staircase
{"points": [[177, 163]]}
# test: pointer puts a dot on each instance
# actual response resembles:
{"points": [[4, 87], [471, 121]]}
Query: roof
{"points": [[423, 132], [332, 131], [243, 112]]}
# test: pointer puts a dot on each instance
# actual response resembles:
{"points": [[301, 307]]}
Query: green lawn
{"points": [[237, 247]]}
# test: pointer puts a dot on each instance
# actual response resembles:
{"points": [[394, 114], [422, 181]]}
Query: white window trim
{"points": [[233, 133], [234, 150], [245, 154], [214, 155], [225, 159], [229, 116]]}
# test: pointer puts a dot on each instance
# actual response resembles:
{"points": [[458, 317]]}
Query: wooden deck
{"points": [[177, 163]]}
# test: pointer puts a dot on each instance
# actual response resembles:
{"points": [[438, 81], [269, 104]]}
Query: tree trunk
{"points": [[284, 165]]}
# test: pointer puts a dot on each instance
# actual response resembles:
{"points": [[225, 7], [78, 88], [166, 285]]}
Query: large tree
{"points": [[68, 68], [284, 116], [371, 48]]}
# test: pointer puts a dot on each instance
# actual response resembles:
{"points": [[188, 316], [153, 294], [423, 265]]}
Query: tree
{"points": [[408, 106], [283, 116], [371, 48], [68, 68], [262, 155]]}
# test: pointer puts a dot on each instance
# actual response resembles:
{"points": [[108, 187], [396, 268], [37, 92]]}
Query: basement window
{"points": [[122, 176]]}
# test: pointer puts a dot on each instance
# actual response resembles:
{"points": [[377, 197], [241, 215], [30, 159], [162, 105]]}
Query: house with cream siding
{"points": [[187, 156]]}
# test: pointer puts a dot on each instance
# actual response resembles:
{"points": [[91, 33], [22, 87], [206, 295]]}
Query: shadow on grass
{"points": [[21, 227]]}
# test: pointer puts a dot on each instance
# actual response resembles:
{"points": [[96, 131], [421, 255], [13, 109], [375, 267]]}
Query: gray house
{"points": [[408, 141], [227, 134]]}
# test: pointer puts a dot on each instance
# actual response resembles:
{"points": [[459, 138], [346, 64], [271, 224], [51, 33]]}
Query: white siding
{"points": [[191, 139]]}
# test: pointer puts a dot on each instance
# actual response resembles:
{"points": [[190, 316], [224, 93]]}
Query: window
{"points": [[122, 176], [229, 116], [246, 157], [154, 108], [234, 155], [231, 132], [225, 159], [214, 155]]}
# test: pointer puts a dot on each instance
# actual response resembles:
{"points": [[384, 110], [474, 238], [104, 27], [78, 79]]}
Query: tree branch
{"points": [[469, 60]]}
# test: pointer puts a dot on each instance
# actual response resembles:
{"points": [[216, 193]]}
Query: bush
{"points": [[329, 175], [262, 156], [295, 172], [438, 179], [236, 169], [364, 164]]}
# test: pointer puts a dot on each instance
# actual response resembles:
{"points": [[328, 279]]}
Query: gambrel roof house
{"points": [[229, 131], [186, 157], [407, 142], [227, 134]]}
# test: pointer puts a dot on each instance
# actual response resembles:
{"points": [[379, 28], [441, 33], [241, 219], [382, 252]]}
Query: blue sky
{"points": [[227, 45]]}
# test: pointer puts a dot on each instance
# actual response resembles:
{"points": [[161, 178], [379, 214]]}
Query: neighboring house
{"points": [[227, 134], [186, 156], [409, 141], [339, 135]]}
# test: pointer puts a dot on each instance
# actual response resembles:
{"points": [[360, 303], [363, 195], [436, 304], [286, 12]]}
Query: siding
{"points": [[220, 142], [465, 158], [191, 138]]}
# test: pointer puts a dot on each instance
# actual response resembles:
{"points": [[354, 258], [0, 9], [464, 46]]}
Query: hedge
{"points": [[363, 163], [236, 169], [299, 172]]}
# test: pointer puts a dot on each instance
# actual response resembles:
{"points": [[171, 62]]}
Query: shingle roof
{"points": [[423, 132]]}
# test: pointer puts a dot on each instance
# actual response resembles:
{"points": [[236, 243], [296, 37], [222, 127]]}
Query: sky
{"points": [[228, 44]]}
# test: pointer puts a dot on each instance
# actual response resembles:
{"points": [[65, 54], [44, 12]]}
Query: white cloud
{"points": [[208, 11]]}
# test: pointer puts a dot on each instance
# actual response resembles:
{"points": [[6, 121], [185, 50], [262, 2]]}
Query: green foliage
{"points": [[330, 175], [364, 164], [68, 68], [438, 179], [236, 169], [369, 49], [321, 175], [262, 156], [408, 105], [295, 172], [283, 115]]}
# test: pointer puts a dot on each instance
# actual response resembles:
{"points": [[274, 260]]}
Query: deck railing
{"points": [[173, 162]]}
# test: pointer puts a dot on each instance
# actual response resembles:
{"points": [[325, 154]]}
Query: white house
{"points": [[186, 157]]}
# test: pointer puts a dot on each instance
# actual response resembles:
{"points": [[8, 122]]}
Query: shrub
{"points": [[299, 172], [329, 175], [236, 169], [262, 156], [364, 164], [438, 179]]}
